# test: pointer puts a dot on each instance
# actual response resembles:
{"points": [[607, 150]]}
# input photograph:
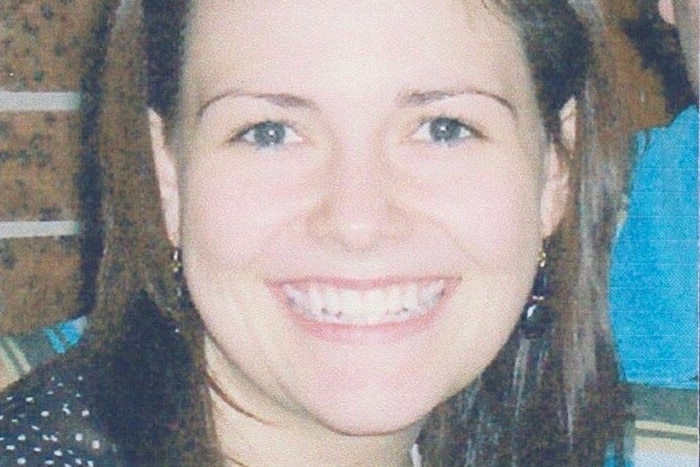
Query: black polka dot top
{"points": [[46, 420]]}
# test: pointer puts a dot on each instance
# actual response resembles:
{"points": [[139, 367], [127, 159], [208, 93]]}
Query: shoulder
{"points": [[47, 419], [674, 145]]}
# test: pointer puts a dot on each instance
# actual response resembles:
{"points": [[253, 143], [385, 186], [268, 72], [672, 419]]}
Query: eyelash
{"points": [[465, 131], [247, 135], [423, 133]]}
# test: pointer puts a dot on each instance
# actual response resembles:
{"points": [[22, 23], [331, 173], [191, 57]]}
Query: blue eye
{"points": [[268, 134], [444, 130]]}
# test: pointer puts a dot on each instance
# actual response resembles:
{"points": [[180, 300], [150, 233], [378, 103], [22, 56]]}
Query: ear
{"points": [[667, 11], [167, 174], [555, 192]]}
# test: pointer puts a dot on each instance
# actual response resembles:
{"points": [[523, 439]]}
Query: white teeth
{"points": [[296, 297], [410, 297], [431, 294], [395, 303], [315, 300], [374, 302], [349, 300], [332, 300]]}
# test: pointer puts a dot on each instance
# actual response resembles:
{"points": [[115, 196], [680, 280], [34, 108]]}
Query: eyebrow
{"points": [[405, 99], [279, 99], [418, 98]]}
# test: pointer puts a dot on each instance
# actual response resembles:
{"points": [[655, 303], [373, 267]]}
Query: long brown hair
{"points": [[550, 401]]}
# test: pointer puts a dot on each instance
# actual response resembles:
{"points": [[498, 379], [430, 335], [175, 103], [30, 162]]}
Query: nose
{"points": [[359, 209]]}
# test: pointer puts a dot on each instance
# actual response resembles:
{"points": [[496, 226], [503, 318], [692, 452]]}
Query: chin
{"points": [[376, 414], [378, 423]]}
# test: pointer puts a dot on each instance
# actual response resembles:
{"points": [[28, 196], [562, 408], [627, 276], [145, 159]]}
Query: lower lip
{"points": [[366, 334]]}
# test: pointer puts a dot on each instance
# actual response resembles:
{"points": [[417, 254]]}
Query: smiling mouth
{"points": [[366, 307]]}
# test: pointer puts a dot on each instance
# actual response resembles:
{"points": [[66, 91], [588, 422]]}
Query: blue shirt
{"points": [[654, 270]]}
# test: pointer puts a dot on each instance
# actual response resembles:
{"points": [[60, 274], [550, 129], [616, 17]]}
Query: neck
{"points": [[254, 433]]}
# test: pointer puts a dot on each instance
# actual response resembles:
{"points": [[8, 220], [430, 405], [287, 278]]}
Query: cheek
{"points": [[505, 215], [492, 214], [230, 214]]}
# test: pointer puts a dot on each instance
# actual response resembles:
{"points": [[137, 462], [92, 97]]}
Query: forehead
{"points": [[336, 46]]}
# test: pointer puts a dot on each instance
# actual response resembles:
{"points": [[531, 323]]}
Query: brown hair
{"points": [[552, 401]]}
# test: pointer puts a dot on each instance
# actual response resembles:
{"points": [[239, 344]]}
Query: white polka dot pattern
{"points": [[47, 422]]}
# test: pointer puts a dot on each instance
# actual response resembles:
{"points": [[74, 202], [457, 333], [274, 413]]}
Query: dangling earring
{"points": [[180, 287], [536, 317]]}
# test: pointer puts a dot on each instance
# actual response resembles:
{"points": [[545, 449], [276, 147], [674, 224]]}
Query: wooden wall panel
{"points": [[39, 281], [39, 163], [43, 43], [45, 47]]}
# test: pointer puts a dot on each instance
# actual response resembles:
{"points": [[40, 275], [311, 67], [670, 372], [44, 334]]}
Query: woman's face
{"points": [[360, 192]]}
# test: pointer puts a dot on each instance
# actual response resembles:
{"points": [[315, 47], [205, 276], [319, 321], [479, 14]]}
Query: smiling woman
{"points": [[359, 197]]}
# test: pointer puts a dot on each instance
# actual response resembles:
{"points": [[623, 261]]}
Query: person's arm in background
{"points": [[19, 354]]}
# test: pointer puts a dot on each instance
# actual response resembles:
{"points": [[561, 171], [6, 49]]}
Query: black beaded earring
{"points": [[536, 317]]}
